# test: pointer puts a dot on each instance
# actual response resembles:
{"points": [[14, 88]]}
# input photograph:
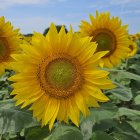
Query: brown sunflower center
{"points": [[106, 40], [131, 47], [60, 76], [4, 50], [60, 73]]}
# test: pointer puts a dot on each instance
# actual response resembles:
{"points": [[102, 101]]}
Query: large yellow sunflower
{"points": [[9, 40], [58, 75], [110, 35]]}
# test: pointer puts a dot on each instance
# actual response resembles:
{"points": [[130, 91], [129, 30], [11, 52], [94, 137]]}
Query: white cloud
{"points": [[21, 1], [132, 11], [119, 2], [8, 3]]}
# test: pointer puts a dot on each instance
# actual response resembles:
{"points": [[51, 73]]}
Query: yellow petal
{"points": [[96, 93], [73, 111], [79, 99]]}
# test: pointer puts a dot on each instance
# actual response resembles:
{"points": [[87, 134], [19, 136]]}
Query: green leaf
{"points": [[120, 136], [135, 67], [14, 119], [99, 135], [36, 133], [135, 125], [137, 100], [126, 130], [128, 112], [123, 94], [104, 125], [65, 133], [135, 87], [106, 111], [124, 74]]}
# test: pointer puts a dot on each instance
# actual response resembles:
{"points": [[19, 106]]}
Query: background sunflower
{"points": [[110, 35], [9, 43], [133, 48]]}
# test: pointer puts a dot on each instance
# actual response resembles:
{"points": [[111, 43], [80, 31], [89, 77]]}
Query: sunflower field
{"points": [[67, 85]]}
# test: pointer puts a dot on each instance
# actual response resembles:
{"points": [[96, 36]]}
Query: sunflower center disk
{"points": [[4, 51], [60, 74], [131, 47], [106, 40], [2, 48]]}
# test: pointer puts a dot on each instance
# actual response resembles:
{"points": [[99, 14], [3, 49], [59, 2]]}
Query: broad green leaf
{"points": [[135, 67], [3, 91], [137, 100], [65, 133], [99, 135], [122, 94], [104, 125], [36, 133], [135, 125], [14, 119], [126, 130], [120, 136], [135, 87], [119, 130], [9, 136], [128, 112], [106, 111], [124, 74]]}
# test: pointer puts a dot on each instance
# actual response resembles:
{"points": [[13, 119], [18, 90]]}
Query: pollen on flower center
{"points": [[105, 39], [4, 50], [60, 73], [59, 76]]}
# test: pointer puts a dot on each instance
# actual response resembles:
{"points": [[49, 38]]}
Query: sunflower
{"points": [[133, 48], [132, 38], [58, 76], [137, 35], [110, 35], [9, 40]]}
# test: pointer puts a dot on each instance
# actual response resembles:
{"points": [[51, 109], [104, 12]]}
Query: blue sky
{"points": [[36, 15]]}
